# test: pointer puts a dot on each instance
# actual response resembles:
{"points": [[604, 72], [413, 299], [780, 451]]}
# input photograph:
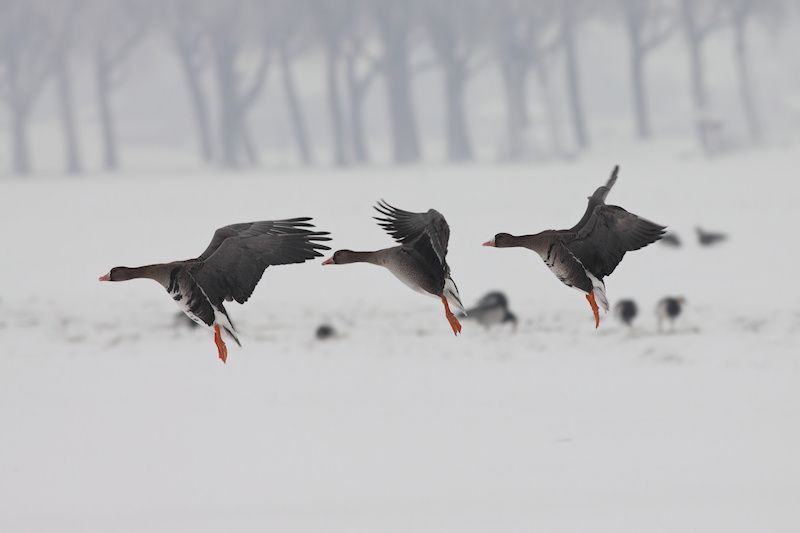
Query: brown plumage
{"points": [[591, 250], [420, 259], [229, 269]]}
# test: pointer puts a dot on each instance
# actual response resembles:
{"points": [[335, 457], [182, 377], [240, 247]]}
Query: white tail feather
{"points": [[451, 293], [599, 292]]}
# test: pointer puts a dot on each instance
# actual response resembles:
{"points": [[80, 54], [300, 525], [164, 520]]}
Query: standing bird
{"points": [[586, 253], [419, 260], [709, 238], [492, 310], [669, 308], [229, 269], [626, 310]]}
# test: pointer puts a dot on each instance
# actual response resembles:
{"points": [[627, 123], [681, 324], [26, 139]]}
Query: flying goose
{"points": [[419, 260], [589, 251], [229, 269]]}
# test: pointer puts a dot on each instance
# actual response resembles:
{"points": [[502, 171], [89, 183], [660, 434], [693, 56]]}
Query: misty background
{"points": [[89, 86]]}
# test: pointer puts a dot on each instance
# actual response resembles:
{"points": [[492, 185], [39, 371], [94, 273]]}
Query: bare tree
{"points": [[394, 22], [572, 11], [741, 11], [65, 21], [648, 24], [120, 26], [700, 19], [236, 96], [361, 68], [25, 61], [333, 19], [524, 34], [285, 27], [455, 28], [188, 32]]}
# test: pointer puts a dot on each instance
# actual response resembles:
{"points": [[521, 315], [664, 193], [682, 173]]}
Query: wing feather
{"points": [[609, 233], [235, 266], [406, 227]]}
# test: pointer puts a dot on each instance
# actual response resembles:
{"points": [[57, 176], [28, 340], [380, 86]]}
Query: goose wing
{"points": [[601, 243], [408, 228], [597, 198], [234, 262]]}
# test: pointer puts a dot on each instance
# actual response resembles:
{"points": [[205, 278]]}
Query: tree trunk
{"points": [[72, 156], [641, 111], [356, 97], [573, 77], [198, 98], [514, 85], [745, 81], [295, 109], [103, 86], [18, 111], [550, 109], [459, 146], [20, 150], [397, 75], [694, 42], [335, 105], [246, 143], [229, 130]]}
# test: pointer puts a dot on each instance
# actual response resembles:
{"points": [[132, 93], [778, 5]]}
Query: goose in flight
{"points": [[589, 251], [418, 260], [229, 269]]}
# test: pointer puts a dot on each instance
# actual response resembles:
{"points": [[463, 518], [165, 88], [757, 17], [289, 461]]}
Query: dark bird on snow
{"points": [[669, 308], [709, 238], [229, 269], [419, 260], [492, 310], [626, 310], [589, 251], [671, 239], [325, 332]]}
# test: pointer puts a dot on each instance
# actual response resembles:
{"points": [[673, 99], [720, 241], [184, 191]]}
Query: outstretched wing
{"points": [[610, 232], [406, 227], [597, 198], [235, 266]]}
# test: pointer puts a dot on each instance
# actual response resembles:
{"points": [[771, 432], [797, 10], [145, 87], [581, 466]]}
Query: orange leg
{"points": [[221, 348], [454, 323], [595, 309]]}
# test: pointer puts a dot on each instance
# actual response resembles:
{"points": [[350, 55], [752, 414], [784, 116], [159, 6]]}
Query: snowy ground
{"points": [[112, 419]]}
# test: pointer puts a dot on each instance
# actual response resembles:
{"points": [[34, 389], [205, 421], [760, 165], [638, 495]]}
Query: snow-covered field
{"points": [[112, 419]]}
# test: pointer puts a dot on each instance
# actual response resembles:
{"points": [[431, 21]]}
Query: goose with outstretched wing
{"points": [[229, 269], [420, 259], [588, 252]]}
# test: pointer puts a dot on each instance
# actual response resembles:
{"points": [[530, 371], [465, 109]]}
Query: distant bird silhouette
{"points": [[669, 308], [325, 332], [709, 238], [491, 310], [671, 239], [583, 255], [626, 310]]}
